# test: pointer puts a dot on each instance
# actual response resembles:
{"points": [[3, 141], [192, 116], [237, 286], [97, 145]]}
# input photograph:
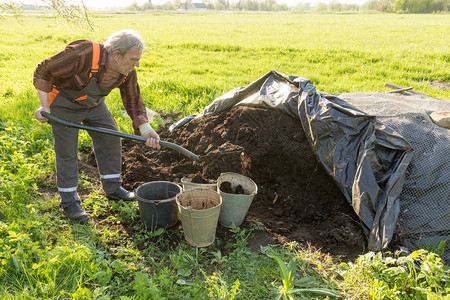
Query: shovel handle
{"points": [[119, 134]]}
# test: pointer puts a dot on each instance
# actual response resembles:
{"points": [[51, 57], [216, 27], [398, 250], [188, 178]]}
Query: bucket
{"points": [[187, 184], [235, 206], [199, 213], [157, 205]]}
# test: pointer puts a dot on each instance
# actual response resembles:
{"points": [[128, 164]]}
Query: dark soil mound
{"points": [[198, 178], [296, 200]]}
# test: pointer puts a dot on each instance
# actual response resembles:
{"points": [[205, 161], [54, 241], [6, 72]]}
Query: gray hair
{"points": [[123, 40]]}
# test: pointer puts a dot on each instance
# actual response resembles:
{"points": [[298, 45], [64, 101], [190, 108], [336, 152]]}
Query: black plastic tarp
{"points": [[366, 158]]}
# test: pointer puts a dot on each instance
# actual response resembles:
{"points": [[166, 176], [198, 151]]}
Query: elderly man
{"points": [[72, 85]]}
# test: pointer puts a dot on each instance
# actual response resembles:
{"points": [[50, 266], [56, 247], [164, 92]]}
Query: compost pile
{"points": [[296, 199]]}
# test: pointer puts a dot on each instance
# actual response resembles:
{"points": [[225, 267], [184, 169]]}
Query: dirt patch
{"points": [[199, 204], [440, 84], [198, 178], [296, 200], [227, 188]]}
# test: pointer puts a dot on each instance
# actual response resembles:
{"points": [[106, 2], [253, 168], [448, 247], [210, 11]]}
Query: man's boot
{"points": [[71, 204], [75, 213], [121, 194]]}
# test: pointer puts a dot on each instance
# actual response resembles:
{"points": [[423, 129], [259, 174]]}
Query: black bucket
{"points": [[157, 203]]}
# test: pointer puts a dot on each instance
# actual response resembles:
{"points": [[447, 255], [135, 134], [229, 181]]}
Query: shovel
{"points": [[119, 134]]}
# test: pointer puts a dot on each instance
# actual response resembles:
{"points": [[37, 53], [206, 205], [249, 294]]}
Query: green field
{"points": [[189, 61]]}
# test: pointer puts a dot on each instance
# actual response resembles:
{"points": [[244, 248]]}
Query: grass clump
{"points": [[420, 275]]}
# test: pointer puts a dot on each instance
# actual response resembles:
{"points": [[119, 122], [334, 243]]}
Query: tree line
{"points": [[407, 6], [392, 6], [241, 5], [74, 13]]}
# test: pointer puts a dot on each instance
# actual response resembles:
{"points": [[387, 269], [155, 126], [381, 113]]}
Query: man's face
{"points": [[126, 63]]}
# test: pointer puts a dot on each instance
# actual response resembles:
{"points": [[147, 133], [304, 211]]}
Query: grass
{"points": [[190, 60]]}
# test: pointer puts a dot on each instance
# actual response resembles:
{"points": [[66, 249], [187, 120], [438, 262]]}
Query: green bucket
{"points": [[157, 205], [235, 206], [199, 213]]}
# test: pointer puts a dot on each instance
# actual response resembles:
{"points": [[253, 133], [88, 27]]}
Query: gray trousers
{"points": [[107, 148]]}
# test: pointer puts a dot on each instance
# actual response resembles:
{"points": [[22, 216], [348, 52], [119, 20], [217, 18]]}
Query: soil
{"points": [[296, 199], [440, 84], [200, 203], [227, 188], [198, 178]]}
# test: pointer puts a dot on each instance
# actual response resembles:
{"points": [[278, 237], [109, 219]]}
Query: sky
{"points": [[100, 4]]}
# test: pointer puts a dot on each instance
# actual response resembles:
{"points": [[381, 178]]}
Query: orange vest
{"points": [[94, 69]]}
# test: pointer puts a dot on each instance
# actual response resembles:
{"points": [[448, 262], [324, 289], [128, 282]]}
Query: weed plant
{"points": [[420, 275], [189, 61]]}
